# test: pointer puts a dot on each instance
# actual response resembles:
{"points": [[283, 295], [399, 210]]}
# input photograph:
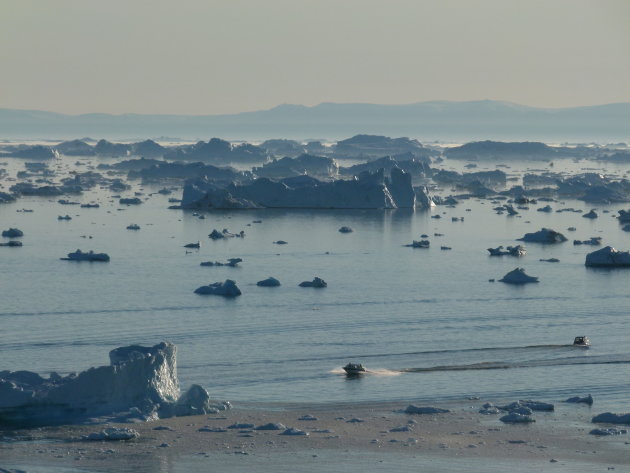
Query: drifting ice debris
{"points": [[610, 431], [113, 433], [130, 201], [140, 383], [13, 243], [514, 418], [546, 208], [90, 206], [591, 214], [66, 217], [133, 226], [192, 245], [271, 426], [610, 418], [550, 260], [518, 276], [517, 250], [608, 257], [545, 235], [316, 282], [218, 235], [419, 244], [624, 216], [12, 233], [294, 431], [89, 256], [411, 409], [488, 409], [583, 400], [269, 282], [280, 242], [227, 288], [230, 262], [593, 241], [345, 230]]}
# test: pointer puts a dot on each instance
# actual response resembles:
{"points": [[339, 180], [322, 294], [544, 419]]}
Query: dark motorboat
{"points": [[353, 369], [581, 342]]}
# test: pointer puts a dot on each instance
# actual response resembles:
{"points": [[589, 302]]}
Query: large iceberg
{"points": [[365, 191], [139, 383], [544, 235], [608, 257]]}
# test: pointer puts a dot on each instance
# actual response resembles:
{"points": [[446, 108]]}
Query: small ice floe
{"points": [[571, 229], [581, 400], [133, 226], [411, 409], [608, 257], [232, 262], [354, 420], [192, 245], [219, 235], [162, 427], [89, 256], [419, 244], [90, 206], [12, 243], [458, 219], [591, 214], [518, 250], [515, 418], [130, 201], [402, 428], [64, 217], [294, 432], [67, 202], [445, 248], [307, 417], [269, 282], [610, 418], [316, 282], [546, 209], [13, 233], [626, 228], [550, 260], [240, 426], [610, 431], [593, 241], [537, 405], [113, 433], [280, 242], [228, 288], [345, 230], [544, 235], [212, 429], [271, 426], [518, 276], [488, 409]]}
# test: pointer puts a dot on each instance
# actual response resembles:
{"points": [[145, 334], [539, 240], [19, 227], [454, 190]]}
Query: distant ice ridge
{"points": [[139, 384], [368, 190]]}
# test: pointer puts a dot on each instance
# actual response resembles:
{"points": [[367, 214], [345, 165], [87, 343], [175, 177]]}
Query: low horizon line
{"points": [[286, 104]]}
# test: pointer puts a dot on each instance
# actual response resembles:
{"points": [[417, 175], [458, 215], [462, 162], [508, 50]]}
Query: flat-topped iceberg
{"points": [[544, 235], [89, 256], [608, 257], [139, 383]]}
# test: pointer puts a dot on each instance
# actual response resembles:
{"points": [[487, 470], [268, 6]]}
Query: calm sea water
{"points": [[427, 323]]}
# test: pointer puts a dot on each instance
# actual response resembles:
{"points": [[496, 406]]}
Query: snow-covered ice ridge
{"points": [[140, 383]]}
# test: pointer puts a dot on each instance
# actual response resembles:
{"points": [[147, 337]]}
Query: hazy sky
{"points": [[214, 56]]}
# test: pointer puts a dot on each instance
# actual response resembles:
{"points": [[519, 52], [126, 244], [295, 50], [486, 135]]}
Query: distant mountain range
{"points": [[427, 121]]}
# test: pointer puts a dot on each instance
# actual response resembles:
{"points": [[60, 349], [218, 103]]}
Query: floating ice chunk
{"points": [[488, 409], [545, 235], [130, 201], [233, 262], [113, 433], [227, 288], [89, 256], [294, 431], [583, 400], [608, 257], [307, 417], [546, 209], [192, 245], [280, 242], [518, 276], [593, 241], [316, 282], [610, 431], [610, 418], [345, 230], [592, 214], [133, 226], [269, 282], [517, 250], [13, 243], [402, 428], [240, 425], [537, 405], [12, 233], [64, 217], [411, 409], [514, 418], [271, 426]]}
